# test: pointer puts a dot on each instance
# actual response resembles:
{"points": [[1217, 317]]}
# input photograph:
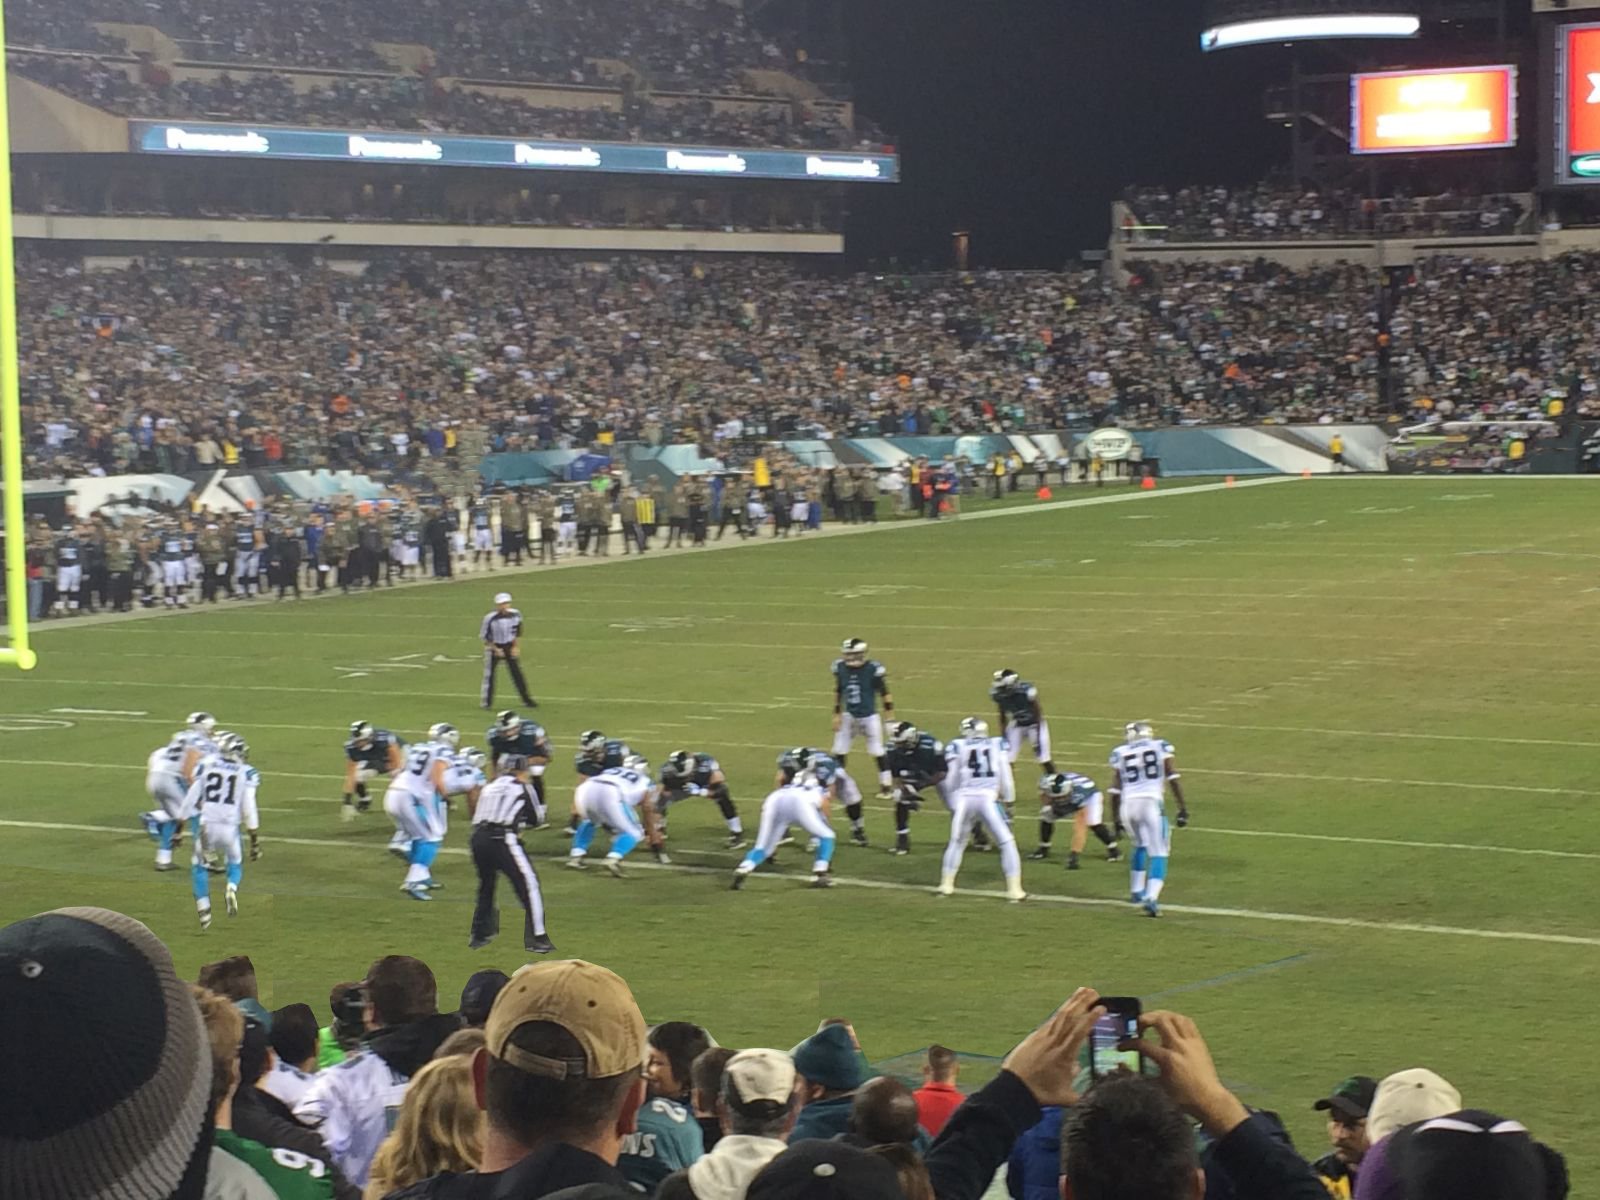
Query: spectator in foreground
{"points": [[884, 1113], [246, 1170], [705, 1080], [349, 1107], [1472, 1155], [235, 979], [817, 1170], [440, 1128], [477, 997], [907, 1163], [756, 1109], [561, 1081], [141, 1063], [342, 1034], [830, 1070], [1347, 1106], [938, 1097], [1402, 1099], [294, 1042], [668, 1139]]}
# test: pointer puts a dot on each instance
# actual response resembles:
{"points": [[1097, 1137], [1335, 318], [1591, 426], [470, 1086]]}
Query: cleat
{"points": [[231, 897], [786, 840], [347, 813], [416, 891], [859, 837], [166, 866], [1072, 862], [205, 918], [887, 794], [614, 866], [541, 945], [150, 827], [364, 804], [568, 831], [576, 864], [478, 943], [1040, 855], [822, 879], [945, 889], [403, 853], [1136, 898], [736, 841], [738, 880], [1113, 854], [1152, 909], [432, 884], [216, 867], [900, 851], [1016, 897]]}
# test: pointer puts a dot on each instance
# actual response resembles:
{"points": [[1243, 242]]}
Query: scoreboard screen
{"points": [[1578, 103], [1455, 108]]}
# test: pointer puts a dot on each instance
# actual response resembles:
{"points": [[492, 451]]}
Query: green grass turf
{"points": [[1407, 664]]}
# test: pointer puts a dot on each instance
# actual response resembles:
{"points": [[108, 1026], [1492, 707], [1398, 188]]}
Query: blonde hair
{"points": [[224, 1025], [440, 1128]]}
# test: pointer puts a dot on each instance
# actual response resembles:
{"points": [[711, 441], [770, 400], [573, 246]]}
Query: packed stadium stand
{"points": [[137, 367]]}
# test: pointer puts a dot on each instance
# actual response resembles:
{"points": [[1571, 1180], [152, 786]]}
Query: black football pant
{"points": [[496, 851], [492, 662]]}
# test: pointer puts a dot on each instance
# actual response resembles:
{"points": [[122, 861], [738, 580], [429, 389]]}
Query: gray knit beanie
{"points": [[107, 1072]]}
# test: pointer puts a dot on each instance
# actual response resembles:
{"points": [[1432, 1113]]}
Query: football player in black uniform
{"points": [[1073, 797], [511, 734], [685, 774], [1021, 717], [369, 752], [917, 762]]}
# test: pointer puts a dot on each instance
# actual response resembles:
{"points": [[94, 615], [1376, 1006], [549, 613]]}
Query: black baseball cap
{"points": [[1351, 1099], [826, 1170], [478, 996]]}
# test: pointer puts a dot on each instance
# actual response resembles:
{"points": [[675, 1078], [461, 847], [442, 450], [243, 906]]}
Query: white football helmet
{"points": [[974, 727], [476, 759], [202, 722], [233, 748], [445, 734], [637, 762], [1005, 679], [854, 651], [1139, 730]]}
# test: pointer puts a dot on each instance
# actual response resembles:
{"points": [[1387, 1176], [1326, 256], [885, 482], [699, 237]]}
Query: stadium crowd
{"points": [[1280, 212], [396, 102], [678, 45], [550, 1083], [169, 365]]}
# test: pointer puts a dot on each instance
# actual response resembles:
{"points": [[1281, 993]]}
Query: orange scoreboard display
{"points": [[1457, 108], [1578, 118]]}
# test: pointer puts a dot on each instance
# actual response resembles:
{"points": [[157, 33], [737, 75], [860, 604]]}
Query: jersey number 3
{"points": [[419, 760]]}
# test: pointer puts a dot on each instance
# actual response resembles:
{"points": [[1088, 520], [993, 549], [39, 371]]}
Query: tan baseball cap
{"points": [[591, 1003], [1409, 1096]]}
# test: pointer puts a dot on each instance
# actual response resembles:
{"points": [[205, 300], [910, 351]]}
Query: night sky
{"points": [[1021, 120]]}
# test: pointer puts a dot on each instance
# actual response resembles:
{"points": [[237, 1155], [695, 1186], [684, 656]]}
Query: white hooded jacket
{"points": [[729, 1166]]}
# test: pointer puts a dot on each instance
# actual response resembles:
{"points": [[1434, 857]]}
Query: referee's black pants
{"points": [[497, 850], [492, 663]]}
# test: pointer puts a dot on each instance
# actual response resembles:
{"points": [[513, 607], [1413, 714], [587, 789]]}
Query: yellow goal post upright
{"points": [[18, 653]]}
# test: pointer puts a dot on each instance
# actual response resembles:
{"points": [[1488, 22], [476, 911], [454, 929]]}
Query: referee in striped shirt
{"points": [[501, 634], [505, 806]]}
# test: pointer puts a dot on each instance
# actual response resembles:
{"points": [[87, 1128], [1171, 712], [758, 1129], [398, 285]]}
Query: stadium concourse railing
{"points": [[1371, 251]]}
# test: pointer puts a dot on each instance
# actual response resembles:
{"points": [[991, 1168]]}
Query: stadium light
{"points": [[19, 653], [1302, 29]]}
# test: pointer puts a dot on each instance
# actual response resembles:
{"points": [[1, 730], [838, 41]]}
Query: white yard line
{"points": [[1337, 839], [1249, 914]]}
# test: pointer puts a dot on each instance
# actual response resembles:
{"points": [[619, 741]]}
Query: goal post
{"points": [[18, 653]]}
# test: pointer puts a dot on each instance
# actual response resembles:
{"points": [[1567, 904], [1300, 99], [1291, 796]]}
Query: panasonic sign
{"points": [[1305, 29], [833, 168], [248, 142], [555, 156], [714, 164], [423, 151]]}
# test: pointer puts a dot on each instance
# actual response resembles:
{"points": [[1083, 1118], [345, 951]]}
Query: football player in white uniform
{"points": [[169, 771], [801, 801], [614, 799], [979, 789], [223, 797], [413, 803], [1070, 796], [1145, 768]]}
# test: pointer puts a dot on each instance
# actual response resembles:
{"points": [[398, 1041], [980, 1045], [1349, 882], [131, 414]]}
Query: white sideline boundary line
{"points": [[1509, 935], [1367, 780], [501, 574]]}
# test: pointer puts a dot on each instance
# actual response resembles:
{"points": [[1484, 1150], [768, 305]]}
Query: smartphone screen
{"points": [[1111, 1027]]}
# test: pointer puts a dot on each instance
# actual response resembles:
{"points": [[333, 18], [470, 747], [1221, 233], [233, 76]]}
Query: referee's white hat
{"points": [[502, 598]]}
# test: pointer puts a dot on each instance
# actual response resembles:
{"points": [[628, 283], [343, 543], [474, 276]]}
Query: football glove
{"points": [[1183, 818], [255, 849]]}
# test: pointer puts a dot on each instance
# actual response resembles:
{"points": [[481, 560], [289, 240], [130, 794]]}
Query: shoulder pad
{"points": [[1166, 747], [837, 663], [1032, 692], [878, 669]]}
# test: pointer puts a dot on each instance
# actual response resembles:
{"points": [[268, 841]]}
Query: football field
{"points": [[1381, 694]]}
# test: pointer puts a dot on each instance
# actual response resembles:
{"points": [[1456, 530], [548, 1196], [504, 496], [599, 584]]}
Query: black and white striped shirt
{"points": [[505, 801], [501, 628]]}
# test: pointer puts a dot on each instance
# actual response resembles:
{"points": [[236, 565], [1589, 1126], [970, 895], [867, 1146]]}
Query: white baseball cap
{"points": [[761, 1075], [502, 598], [1408, 1096]]}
